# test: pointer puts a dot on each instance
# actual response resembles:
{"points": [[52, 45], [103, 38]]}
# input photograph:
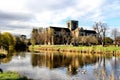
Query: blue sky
{"points": [[20, 16]]}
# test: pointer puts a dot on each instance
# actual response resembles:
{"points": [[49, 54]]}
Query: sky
{"points": [[21, 16]]}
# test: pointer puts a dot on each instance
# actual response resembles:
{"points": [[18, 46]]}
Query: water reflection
{"points": [[75, 65], [78, 63], [10, 54], [7, 59], [71, 61]]}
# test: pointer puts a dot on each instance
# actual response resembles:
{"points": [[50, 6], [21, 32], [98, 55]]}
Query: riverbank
{"points": [[11, 76], [80, 49]]}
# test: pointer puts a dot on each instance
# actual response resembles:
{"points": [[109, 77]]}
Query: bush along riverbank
{"points": [[80, 49]]}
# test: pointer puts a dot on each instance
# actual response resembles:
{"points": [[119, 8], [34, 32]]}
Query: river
{"points": [[63, 66]]}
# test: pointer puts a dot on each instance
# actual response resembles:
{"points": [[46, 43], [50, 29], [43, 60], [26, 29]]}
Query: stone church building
{"points": [[60, 35]]}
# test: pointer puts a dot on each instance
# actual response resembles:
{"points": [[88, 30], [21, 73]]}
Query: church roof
{"points": [[90, 31], [59, 28]]}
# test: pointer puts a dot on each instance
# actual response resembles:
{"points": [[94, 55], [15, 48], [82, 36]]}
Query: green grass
{"points": [[11, 76], [79, 48]]}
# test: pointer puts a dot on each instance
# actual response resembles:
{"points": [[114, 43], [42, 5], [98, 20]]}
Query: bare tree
{"points": [[41, 37], [63, 34], [115, 34], [49, 36], [34, 36], [101, 28], [37, 36]]}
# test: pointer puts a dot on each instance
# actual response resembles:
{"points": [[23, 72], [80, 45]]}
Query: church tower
{"points": [[72, 25]]}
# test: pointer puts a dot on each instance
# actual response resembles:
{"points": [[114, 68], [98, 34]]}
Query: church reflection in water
{"points": [[69, 60]]}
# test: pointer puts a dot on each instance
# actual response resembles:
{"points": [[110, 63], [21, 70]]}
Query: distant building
{"points": [[61, 35]]}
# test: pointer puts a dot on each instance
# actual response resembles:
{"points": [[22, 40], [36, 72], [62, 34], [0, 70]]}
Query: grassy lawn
{"points": [[79, 48], [11, 76]]}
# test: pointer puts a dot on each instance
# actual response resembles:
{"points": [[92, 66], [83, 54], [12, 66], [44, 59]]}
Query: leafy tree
{"points": [[8, 40], [21, 42]]}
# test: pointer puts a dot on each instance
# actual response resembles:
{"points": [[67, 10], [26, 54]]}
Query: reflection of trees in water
{"points": [[75, 61], [71, 61], [100, 71], [105, 70], [116, 67], [21, 54], [73, 66], [8, 58], [10, 54], [1, 71]]}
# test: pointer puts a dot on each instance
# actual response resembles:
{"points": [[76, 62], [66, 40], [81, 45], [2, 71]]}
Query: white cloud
{"points": [[77, 9], [13, 5], [56, 13]]}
